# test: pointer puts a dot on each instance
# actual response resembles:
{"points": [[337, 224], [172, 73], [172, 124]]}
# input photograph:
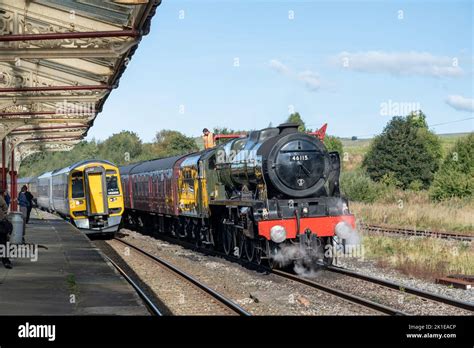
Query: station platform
{"points": [[69, 277]]}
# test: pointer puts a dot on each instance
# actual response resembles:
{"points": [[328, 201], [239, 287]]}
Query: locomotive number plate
{"points": [[299, 158]]}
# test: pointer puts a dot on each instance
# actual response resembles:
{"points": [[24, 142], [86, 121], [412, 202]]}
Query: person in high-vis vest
{"points": [[208, 138]]}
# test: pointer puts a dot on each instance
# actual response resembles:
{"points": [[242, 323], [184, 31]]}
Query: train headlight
{"points": [[278, 233], [78, 202], [113, 199], [345, 208], [343, 230]]}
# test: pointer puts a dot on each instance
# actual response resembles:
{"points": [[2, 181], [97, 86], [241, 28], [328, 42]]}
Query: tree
{"points": [[333, 143], [455, 178], [406, 151], [41, 162], [296, 118], [121, 148], [171, 143], [226, 131]]}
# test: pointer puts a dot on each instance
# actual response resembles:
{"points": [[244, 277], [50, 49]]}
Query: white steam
{"points": [[307, 262]]}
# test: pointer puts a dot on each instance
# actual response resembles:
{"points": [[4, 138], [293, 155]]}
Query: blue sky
{"points": [[351, 64]]}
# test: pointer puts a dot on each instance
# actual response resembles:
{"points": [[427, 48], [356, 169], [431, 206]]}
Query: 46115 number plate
{"points": [[300, 158]]}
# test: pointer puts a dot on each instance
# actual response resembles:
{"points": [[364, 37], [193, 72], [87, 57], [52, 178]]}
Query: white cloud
{"points": [[279, 66], [310, 79], [400, 63], [460, 103]]}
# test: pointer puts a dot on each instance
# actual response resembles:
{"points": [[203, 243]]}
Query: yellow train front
{"points": [[87, 193]]}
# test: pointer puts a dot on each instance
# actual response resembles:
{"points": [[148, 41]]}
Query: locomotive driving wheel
{"points": [[257, 245], [249, 248], [196, 233], [271, 251], [227, 238], [239, 243], [328, 251]]}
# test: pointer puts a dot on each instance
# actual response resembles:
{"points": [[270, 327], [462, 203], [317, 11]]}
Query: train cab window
{"points": [[239, 145], [77, 184], [268, 133], [211, 162], [112, 185]]}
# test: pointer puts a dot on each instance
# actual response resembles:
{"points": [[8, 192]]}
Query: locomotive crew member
{"points": [[208, 138], [5, 228]]}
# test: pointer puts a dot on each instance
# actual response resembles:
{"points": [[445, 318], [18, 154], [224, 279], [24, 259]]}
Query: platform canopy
{"points": [[59, 61]]}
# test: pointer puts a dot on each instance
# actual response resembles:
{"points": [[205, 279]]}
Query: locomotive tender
{"points": [[251, 197], [87, 193]]}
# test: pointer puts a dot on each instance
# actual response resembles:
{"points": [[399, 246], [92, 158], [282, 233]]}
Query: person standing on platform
{"points": [[5, 228], [7, 198], [29, 197], [23, 203]]}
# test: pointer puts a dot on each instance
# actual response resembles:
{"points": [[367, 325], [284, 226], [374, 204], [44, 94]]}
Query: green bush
{"points": [[333, 144], [357, 186], [456, 175], [406, 150], [416, 186]]}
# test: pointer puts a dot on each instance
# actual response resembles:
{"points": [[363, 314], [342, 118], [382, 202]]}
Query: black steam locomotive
{"points": [[272, 195]]}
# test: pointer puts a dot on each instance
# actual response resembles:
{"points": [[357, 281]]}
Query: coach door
{"points": [[96, 191]]}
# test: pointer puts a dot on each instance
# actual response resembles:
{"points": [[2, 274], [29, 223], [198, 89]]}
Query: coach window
{"points": [[77, 184], [112, 183]]}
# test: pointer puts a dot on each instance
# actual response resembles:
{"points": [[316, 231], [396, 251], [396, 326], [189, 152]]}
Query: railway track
{"points": [[228, 305], [421, 233], [148, 302], [335, 292], [391, 285], [342, 294], [339, 293]]}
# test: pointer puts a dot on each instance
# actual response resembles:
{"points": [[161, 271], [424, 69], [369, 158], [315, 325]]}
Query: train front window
{"points": [[77, 184], [112, 185]]}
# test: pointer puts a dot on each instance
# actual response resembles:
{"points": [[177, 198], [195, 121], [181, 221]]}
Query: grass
{"points": [[71, 283], [409, 209], [414, 210], [420, 257], [427, 258]]}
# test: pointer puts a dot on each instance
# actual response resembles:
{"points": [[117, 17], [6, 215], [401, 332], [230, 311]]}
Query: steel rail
{"points": [[254, 266], [149, 303], [349, 297], [220, 298], [399, 287], [420, 233]]}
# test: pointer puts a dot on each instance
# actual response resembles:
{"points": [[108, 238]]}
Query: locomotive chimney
{"points": [[288, 128]]}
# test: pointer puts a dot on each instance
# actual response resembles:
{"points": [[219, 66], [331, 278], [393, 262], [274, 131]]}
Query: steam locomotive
{"points": [[272, 195]]}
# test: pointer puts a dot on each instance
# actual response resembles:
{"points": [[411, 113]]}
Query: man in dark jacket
{"points": [[29, 197]]}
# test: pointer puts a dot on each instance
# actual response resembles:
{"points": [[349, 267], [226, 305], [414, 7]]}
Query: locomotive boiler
{"points": [[272, 195]]}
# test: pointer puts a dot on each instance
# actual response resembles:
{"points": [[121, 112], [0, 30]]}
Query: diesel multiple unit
{"points": [[87, 193]]}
